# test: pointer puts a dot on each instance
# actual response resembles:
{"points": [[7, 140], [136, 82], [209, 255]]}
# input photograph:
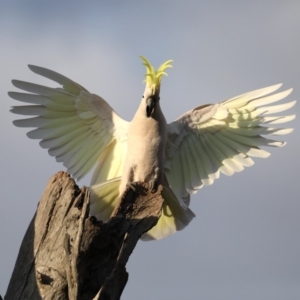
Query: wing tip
{"points": [[277, 85], [14, 82], [292, 103], [282, 144], [16, 123], [11, 94], [289, 90], [13, 110], [34, 68]]}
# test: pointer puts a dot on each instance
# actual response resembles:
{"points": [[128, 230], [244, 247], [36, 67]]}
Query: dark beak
{"points": [[150, 106]]}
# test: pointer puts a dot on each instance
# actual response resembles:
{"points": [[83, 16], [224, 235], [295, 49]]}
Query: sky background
{"points": [[244, 242]]}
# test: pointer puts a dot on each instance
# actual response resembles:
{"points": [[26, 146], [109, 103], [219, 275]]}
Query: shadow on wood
{"points": [[66, 254]]}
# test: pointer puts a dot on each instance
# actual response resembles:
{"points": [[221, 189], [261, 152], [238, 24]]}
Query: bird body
{"points": [[82, 130], [146, 148]]}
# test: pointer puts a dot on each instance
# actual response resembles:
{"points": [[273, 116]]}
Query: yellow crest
{"points": [[153, 77]]}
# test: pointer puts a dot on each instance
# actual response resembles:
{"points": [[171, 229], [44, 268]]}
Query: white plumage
{"points": [[81, 130]]}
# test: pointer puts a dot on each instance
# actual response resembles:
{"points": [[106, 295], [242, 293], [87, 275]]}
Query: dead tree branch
{"points": [[66, 254]]}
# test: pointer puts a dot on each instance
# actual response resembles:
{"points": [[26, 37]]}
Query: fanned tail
{"points": [[104, 198], [174, 217]]}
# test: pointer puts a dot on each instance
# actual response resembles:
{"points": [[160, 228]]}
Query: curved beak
{"points": [[150, 104]]}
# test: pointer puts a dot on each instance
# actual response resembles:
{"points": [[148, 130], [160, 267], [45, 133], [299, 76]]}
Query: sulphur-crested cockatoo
{"points": [[81, 130]]}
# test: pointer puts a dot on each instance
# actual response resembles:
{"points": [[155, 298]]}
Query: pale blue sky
{"points": [[244, 242]]}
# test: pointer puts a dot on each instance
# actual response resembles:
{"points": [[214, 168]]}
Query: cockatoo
{"points": [[82, 130]]}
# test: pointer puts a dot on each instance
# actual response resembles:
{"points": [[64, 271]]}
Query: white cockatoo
{"points": [[81, 130]]}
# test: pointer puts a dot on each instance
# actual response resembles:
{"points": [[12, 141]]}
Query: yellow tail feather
{"points": [[105, 196]]}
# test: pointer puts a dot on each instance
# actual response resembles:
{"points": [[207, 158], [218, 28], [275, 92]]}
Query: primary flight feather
{"points": [[82, 130]]}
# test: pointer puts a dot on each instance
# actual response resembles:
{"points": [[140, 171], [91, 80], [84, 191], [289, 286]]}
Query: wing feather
{"points": [[222, 138], [228, 155], [278, 120], [68, 85], [74, 125], [205, 176], [29, 98], [207, 158], [50, 133], [202, 176], [190, 173]]}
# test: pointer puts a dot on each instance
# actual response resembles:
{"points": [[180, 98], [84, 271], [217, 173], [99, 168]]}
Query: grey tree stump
{"points": [[66, 254]]}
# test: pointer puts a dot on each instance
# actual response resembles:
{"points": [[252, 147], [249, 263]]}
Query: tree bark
{"points": [[67, 254]]}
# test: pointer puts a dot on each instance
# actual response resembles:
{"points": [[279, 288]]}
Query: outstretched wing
{"points": [[221, 138], [76, 126]]}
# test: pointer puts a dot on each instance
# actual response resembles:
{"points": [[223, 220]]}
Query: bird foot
{"points": [[153, 185], [129, 185]]}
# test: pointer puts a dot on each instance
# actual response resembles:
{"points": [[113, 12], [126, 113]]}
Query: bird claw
{"points": [[153, 185], [129, 185]]}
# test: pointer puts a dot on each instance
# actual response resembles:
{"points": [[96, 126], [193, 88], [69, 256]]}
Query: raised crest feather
{"points": [[153, 77]]}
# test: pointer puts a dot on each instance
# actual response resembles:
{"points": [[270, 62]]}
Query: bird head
{"points": [[153, 80]]}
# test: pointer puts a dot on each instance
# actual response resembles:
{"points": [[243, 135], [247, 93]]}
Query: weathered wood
{"points": [[66, 254]]}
